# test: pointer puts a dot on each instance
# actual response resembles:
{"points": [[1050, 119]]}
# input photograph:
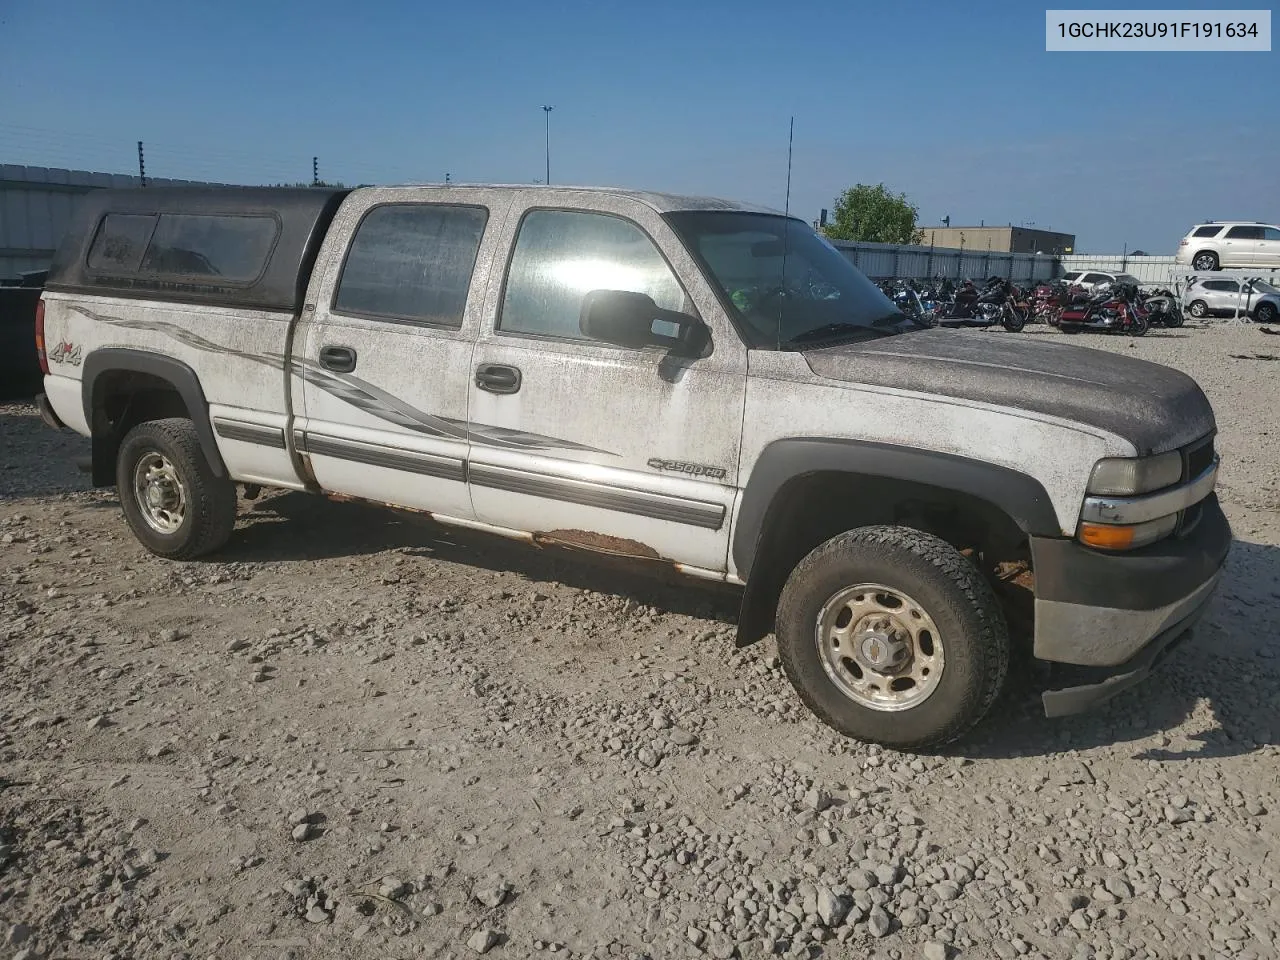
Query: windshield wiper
{"points": [[832, 331]]}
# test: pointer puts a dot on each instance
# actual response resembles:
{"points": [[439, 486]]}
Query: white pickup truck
{"points": [[686, 382]]}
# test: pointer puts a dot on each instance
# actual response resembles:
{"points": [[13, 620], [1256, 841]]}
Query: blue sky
{"points": [[956, 104]]}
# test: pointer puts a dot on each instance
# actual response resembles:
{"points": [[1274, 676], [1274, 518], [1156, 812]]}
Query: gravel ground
{"points": [[358, 735]]}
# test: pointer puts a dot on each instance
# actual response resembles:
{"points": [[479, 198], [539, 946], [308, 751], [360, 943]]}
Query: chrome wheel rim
{"points": [[1198, 310], [1203, 263], [879, 647], [159, 493]]}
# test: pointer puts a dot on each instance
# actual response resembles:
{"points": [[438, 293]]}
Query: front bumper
{"points": [[1111, 618]]}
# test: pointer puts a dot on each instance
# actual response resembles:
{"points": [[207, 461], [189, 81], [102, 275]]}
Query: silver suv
{"points": [[1231, 244], [1223, 297]]}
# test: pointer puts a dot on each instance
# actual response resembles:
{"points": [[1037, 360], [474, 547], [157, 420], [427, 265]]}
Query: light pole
{"points": [[547, 110]]}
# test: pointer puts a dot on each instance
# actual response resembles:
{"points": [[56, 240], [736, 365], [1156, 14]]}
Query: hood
{"points": [[1156, 408]]}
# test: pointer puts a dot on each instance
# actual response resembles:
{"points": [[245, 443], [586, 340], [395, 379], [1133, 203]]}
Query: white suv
{"points": [[1091, 279], [1232, 244]]}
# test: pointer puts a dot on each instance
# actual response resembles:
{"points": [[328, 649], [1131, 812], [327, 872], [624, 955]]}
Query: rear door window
{"points": [[1096, 278], [412, 262]]}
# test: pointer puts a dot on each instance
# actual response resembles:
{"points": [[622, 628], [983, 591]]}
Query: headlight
{"points": [[1127, 477]]}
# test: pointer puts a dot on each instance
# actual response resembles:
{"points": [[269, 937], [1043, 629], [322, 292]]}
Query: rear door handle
{"points": [[498, 378], [338, 359]]}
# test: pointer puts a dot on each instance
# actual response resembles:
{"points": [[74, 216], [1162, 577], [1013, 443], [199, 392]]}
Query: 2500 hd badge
{"points": [[692, 469]]}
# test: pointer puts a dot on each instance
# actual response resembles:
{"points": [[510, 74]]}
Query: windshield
{"points": [[823, 297], [1261, 286]]}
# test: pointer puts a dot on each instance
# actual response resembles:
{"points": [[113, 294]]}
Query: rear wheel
{"points": [[1205, 260], [1198, 309], [890, 635], [173, 502]]}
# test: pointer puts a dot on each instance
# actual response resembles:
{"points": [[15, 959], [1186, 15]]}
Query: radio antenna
{"points": [[786, 231], [791, 139]]}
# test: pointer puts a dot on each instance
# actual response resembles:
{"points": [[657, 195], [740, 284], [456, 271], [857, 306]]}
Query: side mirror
{"points": [[629, 319]]}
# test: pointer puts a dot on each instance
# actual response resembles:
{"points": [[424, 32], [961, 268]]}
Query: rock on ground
{"points": [[486, 747]]}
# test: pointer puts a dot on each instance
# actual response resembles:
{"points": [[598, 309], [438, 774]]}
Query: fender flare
{"points": [[1022, 497], [176, 372]]}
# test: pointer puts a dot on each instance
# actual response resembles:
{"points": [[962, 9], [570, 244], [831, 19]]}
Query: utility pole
{"points": [[547, 110], [315, 171], [142, 166]]}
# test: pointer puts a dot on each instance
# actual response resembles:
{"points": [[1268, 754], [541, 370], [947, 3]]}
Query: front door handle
{"points": [[498, 378], [338, 359]]}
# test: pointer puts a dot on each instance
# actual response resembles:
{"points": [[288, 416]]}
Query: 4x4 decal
{"points": [[65, 353], [357, 392]]}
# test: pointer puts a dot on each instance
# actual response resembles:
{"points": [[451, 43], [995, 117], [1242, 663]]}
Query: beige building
{"points": [[1007, 239]]}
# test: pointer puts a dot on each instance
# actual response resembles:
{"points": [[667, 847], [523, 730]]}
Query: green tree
{"points": [[874, 215]]}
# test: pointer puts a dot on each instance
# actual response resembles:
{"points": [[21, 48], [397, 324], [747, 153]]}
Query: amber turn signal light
{"points": [[1106, 536]]}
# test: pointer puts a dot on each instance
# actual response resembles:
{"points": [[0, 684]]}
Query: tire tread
{"points": [[959, 573], [212, 498]]}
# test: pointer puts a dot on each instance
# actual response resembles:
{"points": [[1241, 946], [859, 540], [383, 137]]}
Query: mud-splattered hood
{"points": [[1154, 407]]}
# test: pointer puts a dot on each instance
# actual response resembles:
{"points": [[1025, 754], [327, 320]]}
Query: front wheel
{"points": [[1173, 318], [1138, 327], [173, 502], [1266, 313], [1014, 321], [891, 636]]}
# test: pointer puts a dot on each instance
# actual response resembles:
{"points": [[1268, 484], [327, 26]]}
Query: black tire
{"points": [[1138, 327], [1205, 260], [1014, 321], [209, 511], [947, 587], [1266, 313], [1173, 319], [1198, 309]]}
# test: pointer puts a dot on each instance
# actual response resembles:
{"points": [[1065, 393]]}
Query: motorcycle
{"points": [[1108, 309], [1048, 301], [1163, 308], [929, 299], [907, 299], [986, 307]]}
